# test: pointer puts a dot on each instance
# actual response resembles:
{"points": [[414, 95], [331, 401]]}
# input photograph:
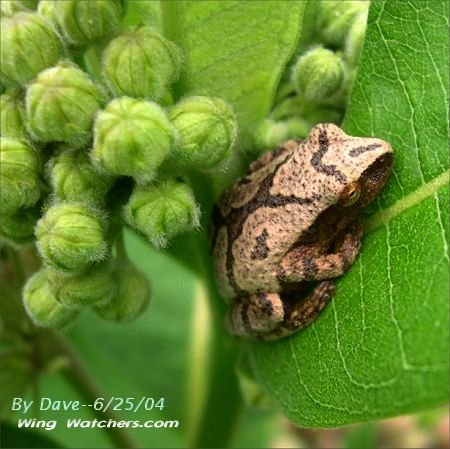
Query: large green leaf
{"points": [[235, 50], [381, 347]]}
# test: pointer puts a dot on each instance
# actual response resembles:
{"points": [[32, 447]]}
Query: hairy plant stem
{"points": [[222, 402], [19, 272], [121, 251]]}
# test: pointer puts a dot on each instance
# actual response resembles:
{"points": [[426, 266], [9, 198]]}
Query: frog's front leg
{"points": [[298, 266], [303, 312], [256, 314]]}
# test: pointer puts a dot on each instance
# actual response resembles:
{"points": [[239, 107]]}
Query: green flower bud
{"points": [[28, 45], [84, 22], [95, 285], [131, 298], [141, 63], [161, 211], [71, 237], [47, 8], [43, 309], [12, 114], [355, 39], [318, 74], [335, 18], [269, 134], [19, 175], [132, 137], [17, 229], [61, 104], [207, 130], [10, 7], [75, 179], [298, 128]]}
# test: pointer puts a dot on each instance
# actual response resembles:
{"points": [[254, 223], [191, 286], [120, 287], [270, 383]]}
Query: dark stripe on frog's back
{"points": [[236, 218], [317, 163], [261, 249], [219, 219]]}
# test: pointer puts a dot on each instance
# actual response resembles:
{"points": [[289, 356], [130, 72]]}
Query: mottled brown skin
{"points": [[291, 225]]}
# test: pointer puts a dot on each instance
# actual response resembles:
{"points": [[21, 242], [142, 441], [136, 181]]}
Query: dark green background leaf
{"points": [[12, 437], [381, 347], [148, 357]]}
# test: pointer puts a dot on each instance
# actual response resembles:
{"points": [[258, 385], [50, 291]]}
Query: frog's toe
{"points": [[304, 312], [255, 315]]}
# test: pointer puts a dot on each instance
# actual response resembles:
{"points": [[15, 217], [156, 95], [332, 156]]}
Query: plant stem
{"points": [[222, 404], [19, 272], [223, 401], [121, 251], [81, 379]]}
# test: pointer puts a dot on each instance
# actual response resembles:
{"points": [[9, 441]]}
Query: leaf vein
{"points": [[383, 217]]}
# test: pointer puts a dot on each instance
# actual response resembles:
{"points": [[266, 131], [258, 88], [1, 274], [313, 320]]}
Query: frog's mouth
{"points": [[374, 178]]}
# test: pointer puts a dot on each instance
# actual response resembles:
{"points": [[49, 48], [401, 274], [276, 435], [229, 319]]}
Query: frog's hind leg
{"points": [[255, 315], [303, 312]]}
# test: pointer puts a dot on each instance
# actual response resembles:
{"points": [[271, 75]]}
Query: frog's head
{"points": [[357, 167]]}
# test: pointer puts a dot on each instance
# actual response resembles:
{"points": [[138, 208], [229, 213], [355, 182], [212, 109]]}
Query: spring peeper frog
{"points": [[286, 230]]}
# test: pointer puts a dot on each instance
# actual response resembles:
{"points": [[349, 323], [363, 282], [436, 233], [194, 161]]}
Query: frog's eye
{"points": [[350, 195]]}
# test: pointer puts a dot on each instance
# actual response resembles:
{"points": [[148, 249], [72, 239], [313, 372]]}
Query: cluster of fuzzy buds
{"points": [[90, 147], [322, 74]]}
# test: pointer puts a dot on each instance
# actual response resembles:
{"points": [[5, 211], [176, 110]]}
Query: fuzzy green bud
{"points": [[207, 130], [334, 19], [42, 307], [318, 74], [47, 8], [271, 133], [132, 137], [71, 237], [141, 63], [12, 114], [19, 175], [95, 285], [162, 210], [10, 7], [61, 104], [75, 179], [17, 229], [131, 298], [355, 39], [28, 45], [84, 22]]}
